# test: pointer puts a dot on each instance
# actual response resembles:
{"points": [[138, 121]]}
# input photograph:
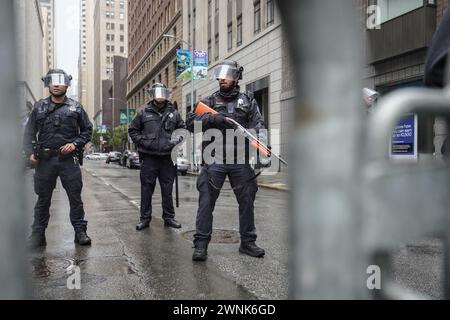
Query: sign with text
{"points": [[123, 115], [200, 64], [404, 139]]}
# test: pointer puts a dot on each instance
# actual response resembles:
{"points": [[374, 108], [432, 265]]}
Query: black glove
{"points": [[220, 122]]}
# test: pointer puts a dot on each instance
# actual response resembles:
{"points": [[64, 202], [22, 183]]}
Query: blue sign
{"points": [[404, 138]]}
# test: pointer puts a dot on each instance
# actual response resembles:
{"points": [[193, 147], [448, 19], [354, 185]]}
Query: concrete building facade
{"points": [[30, 40], [48, 18], [115, 93], [152, 56], [86, 58], [249, 32], [395, 54], [110, 38]]}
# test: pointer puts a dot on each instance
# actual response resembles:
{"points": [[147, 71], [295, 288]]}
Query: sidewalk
{"points": [[278, 181]]}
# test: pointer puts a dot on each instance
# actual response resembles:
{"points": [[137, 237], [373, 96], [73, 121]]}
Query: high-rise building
{"points": [[30, 39], [48, 18], [152, 56], [86, 58], [110, 38]]}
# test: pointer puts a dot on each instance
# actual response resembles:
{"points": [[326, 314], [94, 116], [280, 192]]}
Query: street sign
{"points": [[101, 128], [123, 115], [200, 64], [183, 64]]}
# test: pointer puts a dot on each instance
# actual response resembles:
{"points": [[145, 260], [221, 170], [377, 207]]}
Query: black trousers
{"points": [[163, 169], [209, 183], [47, 172]]}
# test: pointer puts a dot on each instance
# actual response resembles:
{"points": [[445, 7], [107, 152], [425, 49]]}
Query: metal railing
{"points": [[351, 206], [14, 282]]}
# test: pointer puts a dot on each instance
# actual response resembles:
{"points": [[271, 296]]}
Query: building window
{"points": [[257, 16], [216, 47], [230, 36], [239, 30], [391, 9], [209, 49], [270, 12]]}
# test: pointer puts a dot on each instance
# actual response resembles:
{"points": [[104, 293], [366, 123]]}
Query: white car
{"points": [[182, 165], [93, 156], [103, 156]]}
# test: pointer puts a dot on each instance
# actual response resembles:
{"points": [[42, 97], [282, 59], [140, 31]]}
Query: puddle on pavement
{"points": [[46, 266], [219, 236]]}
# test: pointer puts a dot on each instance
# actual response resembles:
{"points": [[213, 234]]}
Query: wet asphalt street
{"points": [[156, 263]]}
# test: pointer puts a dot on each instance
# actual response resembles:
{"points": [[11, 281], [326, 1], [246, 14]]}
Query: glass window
{"points": [[257, 16], [391, 9], [239, 30], [270, 12], [230, 36]]}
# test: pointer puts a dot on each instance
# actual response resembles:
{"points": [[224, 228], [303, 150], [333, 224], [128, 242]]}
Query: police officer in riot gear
{"points": [[57, 128], [151, 130], [243, 108]]}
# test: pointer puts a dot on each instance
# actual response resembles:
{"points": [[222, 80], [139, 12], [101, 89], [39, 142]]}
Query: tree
{"points": [[96, 138], [119, 137]]}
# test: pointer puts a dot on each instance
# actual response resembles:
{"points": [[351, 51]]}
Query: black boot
{"points": [[142, 225], [250, 248], [82, 238], [200, 253], [172, 223], [37, 240]]}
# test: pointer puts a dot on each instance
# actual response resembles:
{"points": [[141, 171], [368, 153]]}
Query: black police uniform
{"points": [[50, 127], [151, 130], [244, 109]]}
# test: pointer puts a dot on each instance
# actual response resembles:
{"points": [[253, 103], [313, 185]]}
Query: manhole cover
{"points": [[44, 267], [218, 236]]}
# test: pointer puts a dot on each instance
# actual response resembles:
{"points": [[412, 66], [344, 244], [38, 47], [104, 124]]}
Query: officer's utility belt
{"points": [[47, 153]]}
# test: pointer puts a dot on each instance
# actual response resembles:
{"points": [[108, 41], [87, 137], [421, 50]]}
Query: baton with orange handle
{"points": [[202, 108]]}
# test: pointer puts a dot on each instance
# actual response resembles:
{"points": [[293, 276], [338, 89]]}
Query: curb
{"points": [[274, 186]]}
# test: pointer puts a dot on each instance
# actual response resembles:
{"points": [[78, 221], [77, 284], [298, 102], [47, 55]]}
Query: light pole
{"points": [[191, 49], [126, 104]]}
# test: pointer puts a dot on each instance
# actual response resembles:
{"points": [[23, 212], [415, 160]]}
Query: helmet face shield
{"points": [[225, 72], [159, 93], [57, 79]]}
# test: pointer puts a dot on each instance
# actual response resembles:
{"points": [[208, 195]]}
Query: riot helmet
{"points": [[229, 70], [57, 77], [159, 91]]}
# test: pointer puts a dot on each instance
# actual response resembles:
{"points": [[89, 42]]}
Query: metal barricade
{"points": [[13, 261], [350, 204]]}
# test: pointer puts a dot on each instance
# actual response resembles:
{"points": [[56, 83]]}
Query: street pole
{"points": [[128, 123], [191, 50]]}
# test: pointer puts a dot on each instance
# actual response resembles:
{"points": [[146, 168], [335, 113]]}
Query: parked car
{"points": [[103, 156], [182, 165], [113, 156], [93, 156], [133, 161], [124, 157]]}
